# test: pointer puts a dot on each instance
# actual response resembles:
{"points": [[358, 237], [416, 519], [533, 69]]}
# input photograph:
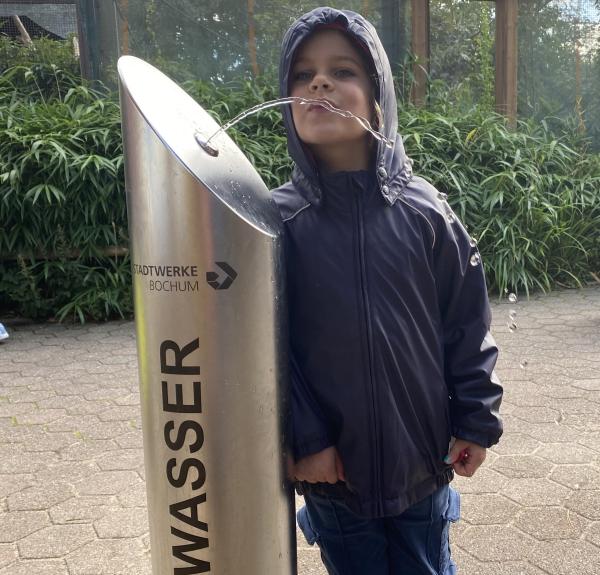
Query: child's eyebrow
{"points": [[302, 61]]}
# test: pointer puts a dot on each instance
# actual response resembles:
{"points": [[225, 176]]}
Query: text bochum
{"points": [[185, 438]]}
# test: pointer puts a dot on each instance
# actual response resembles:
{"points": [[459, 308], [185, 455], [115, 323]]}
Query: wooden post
{"points": [[123, 19], [252, 39], [86, 38], [506, 59], [420, 48], [365, 9], [24, 35]]}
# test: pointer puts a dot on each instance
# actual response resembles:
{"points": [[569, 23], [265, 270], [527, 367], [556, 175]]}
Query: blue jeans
{"points": [[412, 543]]}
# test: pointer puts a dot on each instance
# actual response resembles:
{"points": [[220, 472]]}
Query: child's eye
{"points": [[302, 76], [344, 73]]}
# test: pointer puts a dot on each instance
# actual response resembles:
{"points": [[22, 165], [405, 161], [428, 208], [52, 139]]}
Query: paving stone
{"points": [[309, 562], [55, 541], [516, 444], [487, 509], [518, 466], [120, 413], [121, 523], [17, 463], [104, 429], [40, 416], [484, 481], [8, 554], [561, 453], [35, 567], [14, 409], [535, 492], [567, 557], [552, 432], [590, 440], [132, 439], [124, 459], [579, 405], [537, 414], [24, 395], [44, 441], [109, 557], [12, 483], [19, 524], [593, 533], [85, 450], [588, 384], [39, 497], [134, 496], [548, 523], [582, 421], [84, 509], [108, 483], [72, 423], [66, 472], [496, 543], [12, 434], [132, 399], [81, 406], [577, 476], [586, 503]]}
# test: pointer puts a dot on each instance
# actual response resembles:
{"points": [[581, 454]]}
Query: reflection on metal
{"points": [[207, 275]]}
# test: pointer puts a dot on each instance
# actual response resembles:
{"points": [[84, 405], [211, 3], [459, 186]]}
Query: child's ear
{"points": [[377, 120]]}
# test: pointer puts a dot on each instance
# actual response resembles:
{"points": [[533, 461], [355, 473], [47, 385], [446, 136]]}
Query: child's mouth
{"points": [[319, 108]]}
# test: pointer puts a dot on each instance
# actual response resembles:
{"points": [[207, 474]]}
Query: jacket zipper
{"points": [[369, 338]]}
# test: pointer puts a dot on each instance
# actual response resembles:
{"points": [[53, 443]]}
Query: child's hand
{"points": [[465, 457], [323, 467]]}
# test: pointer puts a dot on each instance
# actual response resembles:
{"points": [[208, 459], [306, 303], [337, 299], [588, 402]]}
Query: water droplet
{"points": [[473, 242], [523, 364], [450, 217], [512, 297], [512, 314], [512, 326], [442, 197], [475, 259]]}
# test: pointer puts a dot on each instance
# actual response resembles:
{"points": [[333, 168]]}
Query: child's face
{"points": [[329, 67]]}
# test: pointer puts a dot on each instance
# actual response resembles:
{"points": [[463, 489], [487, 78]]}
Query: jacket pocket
{"points": [[306, 527]]}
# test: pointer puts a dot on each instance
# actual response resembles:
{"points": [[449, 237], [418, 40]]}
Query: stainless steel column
{"points": [[207, 276]]}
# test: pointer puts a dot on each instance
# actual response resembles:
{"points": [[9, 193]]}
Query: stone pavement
{"points": [[72, 495]]}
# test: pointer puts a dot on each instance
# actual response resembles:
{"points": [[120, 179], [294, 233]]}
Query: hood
{"points": [[394, 169]]}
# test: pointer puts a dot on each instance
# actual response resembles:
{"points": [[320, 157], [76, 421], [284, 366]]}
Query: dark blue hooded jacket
{"points": [[388, 311]]}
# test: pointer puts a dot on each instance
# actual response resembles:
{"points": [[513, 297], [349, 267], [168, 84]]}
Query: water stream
{"points": [[211, 149]]}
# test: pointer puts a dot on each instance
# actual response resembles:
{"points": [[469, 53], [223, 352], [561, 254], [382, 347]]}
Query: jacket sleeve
{"points": [[470, 352], [310, 433]]}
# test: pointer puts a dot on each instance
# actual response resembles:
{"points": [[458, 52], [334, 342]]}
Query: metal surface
{"points": [[207, 257]]}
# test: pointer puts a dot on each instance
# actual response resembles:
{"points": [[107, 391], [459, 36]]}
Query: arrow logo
{"points": [[217, 281]]}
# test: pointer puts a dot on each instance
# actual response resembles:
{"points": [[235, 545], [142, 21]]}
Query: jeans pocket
{"points": [[451, 515], [306, 527], [453, 511]]}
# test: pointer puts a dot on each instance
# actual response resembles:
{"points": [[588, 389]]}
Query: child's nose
{"points": [[320, 82]]}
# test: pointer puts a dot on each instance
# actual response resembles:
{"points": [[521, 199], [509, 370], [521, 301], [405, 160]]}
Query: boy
{"points": [[389, 318]]}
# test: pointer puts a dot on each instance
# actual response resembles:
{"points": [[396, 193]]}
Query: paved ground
{"points": [[72, 495]]}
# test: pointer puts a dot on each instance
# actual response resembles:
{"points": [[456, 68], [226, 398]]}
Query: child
{"points": [[389, 318]]}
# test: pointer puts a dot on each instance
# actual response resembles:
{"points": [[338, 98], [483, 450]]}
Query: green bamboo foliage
{"points": [[531, 198], [62, 208]]}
